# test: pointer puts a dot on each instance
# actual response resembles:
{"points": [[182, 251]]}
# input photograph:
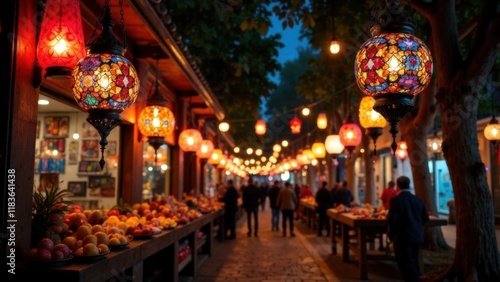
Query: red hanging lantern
{"points": [[295, 125], [61, 42], [350, 135]]}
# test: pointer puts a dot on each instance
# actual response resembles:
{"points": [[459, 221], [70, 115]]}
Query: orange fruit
{"points": [[90, 250]]}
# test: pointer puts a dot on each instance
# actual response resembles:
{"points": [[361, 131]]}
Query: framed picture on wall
{"points": [[90, 149], [104, 185], [89, 168], [56, 127], [88, 131], [73, 153], [111, 148], [78, 188]]}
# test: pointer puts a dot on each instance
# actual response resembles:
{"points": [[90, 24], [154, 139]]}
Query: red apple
{"points": [[57, 255], [113, 212], [146, 231], [63, 248], [137, 232], [33, 253], [46, 244]]}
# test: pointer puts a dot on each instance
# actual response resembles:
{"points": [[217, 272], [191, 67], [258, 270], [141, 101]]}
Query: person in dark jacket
{"points": [[230, 200], [406, 219], [343, 196], [251, 202], [263, 193], [324, 202], [273, 195]]}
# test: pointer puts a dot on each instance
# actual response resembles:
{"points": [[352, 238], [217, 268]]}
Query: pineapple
{"points": [[47, 214]]}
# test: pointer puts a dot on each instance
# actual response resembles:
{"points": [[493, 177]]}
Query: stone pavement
{"points": [[273, 258]]}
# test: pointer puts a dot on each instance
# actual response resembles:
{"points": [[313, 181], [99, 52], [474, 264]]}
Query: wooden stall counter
{"points": [[357, 234], [152, 259]]}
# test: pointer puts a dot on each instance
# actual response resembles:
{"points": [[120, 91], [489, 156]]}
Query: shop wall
{"points": [[74, 164]]}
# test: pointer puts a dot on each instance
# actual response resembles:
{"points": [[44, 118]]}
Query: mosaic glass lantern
{"points": [[61, 42], [156, 121], [393, 66], [105, 83]]}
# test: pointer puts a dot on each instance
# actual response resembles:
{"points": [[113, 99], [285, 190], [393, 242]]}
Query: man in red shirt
{"points": [[388, 193]]}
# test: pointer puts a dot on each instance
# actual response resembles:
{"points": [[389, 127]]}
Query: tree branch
{"points": [[469, 28], [485, 45], [426, 9]]}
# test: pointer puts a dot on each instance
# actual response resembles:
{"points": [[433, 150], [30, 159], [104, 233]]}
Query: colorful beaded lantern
{"points": [[156, 121], [393, 66], [105, 82], [393, 63]]}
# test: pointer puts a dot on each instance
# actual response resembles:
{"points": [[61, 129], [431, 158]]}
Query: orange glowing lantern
{"points": [[319, 150], [205, 150], [322, 121], [260, 127], [190, 140], [61, 42], [401, 151]]}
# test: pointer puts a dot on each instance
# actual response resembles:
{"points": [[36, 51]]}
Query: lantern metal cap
{"points": [[393, 20], [156, 99], [106, 42]]}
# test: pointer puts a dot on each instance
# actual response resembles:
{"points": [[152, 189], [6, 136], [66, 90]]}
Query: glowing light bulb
{"points": [[190, 141], [306, 111], [394, 64], [334, 47], [61, 46], [76, 136], [104, 81], [350, 135]]}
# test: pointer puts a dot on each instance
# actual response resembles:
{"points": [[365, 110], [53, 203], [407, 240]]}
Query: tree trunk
{"points": [[476, 255], [416, 140]]}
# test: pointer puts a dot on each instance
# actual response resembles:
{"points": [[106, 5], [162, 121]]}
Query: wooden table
{"points": [[308, 213], [365, 231]]}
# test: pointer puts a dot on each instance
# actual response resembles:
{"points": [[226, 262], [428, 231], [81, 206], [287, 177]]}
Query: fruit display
{"points": [[48, 214], [184, 251], [46, 250]]}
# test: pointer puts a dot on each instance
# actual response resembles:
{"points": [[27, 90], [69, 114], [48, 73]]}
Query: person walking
{"points": [[251, 202], [273, 196], [324, 202], [230, 200], [343, 196], [288, 202], [263, 192], [406, 219], [388, 193]]}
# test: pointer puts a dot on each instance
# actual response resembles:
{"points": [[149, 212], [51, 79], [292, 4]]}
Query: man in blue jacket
{"points": [[407, 217]]}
